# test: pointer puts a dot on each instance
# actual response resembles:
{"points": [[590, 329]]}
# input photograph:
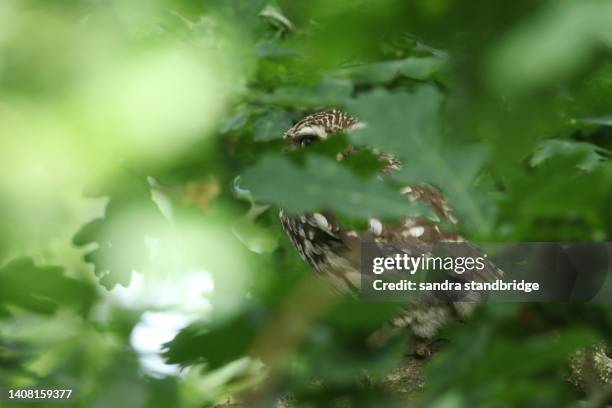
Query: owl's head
{"points": [[320, 126]]}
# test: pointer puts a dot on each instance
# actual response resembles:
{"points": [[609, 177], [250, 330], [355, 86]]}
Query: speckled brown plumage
{"points": [[591, 368], [335, 252], [321, 124]]}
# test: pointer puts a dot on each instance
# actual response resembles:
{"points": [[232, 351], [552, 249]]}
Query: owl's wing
{"points": [[428, 312]]}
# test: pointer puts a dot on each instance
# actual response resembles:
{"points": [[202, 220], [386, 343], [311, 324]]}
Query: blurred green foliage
{"points": [[145, 136]]}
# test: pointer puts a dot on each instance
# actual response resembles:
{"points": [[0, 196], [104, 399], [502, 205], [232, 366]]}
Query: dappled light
{"points": [[191, 192]]}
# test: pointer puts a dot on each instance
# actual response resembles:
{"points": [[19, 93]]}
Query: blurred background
{"points": [[139, 141]]}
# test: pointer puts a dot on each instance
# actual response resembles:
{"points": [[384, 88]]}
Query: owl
{"points": [[334, 251]]}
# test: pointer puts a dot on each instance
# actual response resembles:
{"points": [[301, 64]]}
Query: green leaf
{"points": [[323, 184], [119, 236], [328, 92], [237, 121], [359, 315], [551, 45], [408, 125], [271, 126], [419, 68], [600, 120], [215, 345], [42, 289], [592, 155], [558, 193], [496, 337], [402, 123], [255, 237]]}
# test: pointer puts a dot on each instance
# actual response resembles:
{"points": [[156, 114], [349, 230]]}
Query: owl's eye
{"points": [[305, 140]]}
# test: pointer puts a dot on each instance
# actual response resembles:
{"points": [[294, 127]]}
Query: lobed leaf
{"points": [[323, 184]]}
